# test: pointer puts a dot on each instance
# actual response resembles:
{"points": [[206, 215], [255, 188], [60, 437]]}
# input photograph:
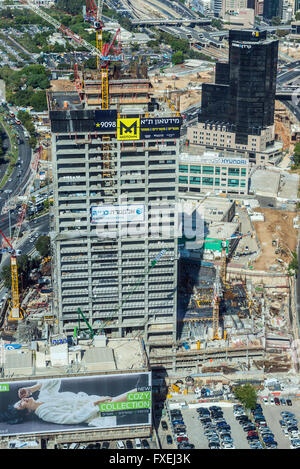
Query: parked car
{"points": [[164, 425], [289, 402], [277, 401], [129, 444], [182, 438], [145, 444], [169, 439]]}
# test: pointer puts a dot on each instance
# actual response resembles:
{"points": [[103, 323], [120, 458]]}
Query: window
{"points": [[183, 180], [208, 170], [195, 169], [194, 180], [217, 181], [183, 168], [207, 181], [217, 170], [233, 171], [243, 172], [233, 182]]}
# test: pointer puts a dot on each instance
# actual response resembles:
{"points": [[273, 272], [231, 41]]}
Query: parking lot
{"points": [[195, 431], [137, 443]]}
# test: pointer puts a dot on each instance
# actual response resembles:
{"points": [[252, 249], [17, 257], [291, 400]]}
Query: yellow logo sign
{"points": [[128, 129]]}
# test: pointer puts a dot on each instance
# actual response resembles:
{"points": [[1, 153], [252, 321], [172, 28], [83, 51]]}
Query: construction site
{"points": [[209, 316]]}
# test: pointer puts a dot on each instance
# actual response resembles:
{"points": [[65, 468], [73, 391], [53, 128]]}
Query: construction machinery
{"points": [[16, 312], [108, 51], [76, 333], [224, 254]]}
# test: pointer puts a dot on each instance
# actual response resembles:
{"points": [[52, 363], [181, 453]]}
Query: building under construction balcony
{"points": [[132, 92], [106, 161]]}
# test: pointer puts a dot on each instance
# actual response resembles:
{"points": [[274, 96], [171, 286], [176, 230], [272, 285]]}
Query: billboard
{"points": [[118, 213], [128, 129], [75, 404], [105, 120], [148, 128], [160, 127]]}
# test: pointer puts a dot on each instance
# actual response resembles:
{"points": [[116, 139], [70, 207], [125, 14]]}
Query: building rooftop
{"points": [[118, 354], [258, 182], [63, 100], [222, 231]]}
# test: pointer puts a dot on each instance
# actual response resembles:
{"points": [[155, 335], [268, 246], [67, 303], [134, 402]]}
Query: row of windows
{"points": [[212, 170], [210, 181]]}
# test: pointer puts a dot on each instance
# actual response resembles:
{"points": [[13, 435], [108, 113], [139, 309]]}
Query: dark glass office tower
{"points": [[243, 96], [272, 8]]}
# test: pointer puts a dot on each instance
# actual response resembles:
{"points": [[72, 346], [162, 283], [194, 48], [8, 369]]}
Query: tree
{"points": [[6, 276], [43, 246], [293, 266], [177, 58], [276, 21], [91, 63], [246, 394], [217, 24]]}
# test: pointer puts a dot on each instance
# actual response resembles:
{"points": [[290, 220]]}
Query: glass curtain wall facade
{"points": [[243, 95]]}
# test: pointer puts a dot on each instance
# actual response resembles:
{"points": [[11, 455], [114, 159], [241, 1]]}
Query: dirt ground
{"points": [[291, 51], [188, 97], [278, 225], [62, 85]]}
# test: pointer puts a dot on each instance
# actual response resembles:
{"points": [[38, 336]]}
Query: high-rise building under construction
{"points": [[113, 171]]}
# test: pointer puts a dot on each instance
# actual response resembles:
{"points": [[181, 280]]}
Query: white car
{"points": [[138, 444], [272, 402], [120, 444], [266, 401], [285, 431], [295, 444]]}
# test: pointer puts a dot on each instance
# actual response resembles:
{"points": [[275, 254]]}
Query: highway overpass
{"points": [[172, 22]]}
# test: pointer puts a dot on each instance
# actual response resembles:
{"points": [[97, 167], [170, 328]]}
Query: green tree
{"points": [[91, 63], [246, 394], [276, 21], [177, 57], [6, 276], [293, 266], [217, 24], [43, 246]]}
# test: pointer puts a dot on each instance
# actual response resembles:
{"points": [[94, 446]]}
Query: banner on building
{"points": [[126, 213], [149, 128], [128, 129], [81, 403], [105, 120], [159, 127]]}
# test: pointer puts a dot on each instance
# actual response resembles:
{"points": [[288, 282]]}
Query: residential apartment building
{"points": [[102, 165]]}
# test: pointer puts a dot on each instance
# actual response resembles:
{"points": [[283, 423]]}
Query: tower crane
{"points": [[105, 53], [16, 312], [221, 274]]}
